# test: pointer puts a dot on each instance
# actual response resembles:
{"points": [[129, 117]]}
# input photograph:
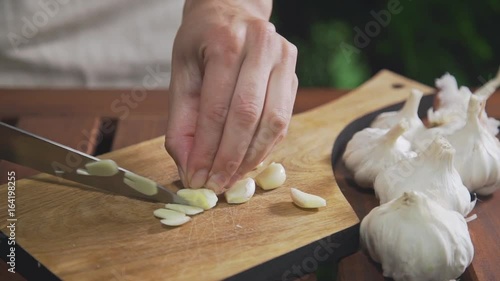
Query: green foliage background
{"points": [[423, 41]]}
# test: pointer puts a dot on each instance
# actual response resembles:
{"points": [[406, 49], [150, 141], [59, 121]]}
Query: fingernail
{"points": [[183, 178], [199, 178], [216, 183]]}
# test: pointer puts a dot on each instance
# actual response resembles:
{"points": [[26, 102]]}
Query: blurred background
{"points": [[420, 39]]}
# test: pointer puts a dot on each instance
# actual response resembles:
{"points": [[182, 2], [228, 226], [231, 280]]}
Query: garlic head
{"points": [[415, 238], [478, 153], [372, 150], [432, 173], [409, 112]]}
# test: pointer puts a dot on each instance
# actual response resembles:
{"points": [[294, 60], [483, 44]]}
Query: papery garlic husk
{"points": [[452, 103], [415, 239], [484, 93], [432, 173], [409, 112], [478, 153], [372, 150]]}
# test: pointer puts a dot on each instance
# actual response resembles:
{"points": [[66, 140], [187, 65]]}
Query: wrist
{"points": [[257, 8]]}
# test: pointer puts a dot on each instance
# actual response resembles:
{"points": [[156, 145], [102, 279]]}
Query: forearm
{"points": [[259, 8]]}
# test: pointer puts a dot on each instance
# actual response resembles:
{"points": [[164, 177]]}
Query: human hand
{"points": [[232, 91]]}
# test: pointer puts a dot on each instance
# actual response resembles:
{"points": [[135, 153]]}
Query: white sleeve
{"points": [[87, 43]]}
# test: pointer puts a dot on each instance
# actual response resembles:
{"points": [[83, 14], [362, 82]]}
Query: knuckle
{"points": [[225, 42], [290, 51], [278, 123], [217, 114], [264, 31], [247, 113]]}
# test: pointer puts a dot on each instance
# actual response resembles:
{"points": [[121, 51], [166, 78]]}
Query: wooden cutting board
{"points": [[79, 233]]}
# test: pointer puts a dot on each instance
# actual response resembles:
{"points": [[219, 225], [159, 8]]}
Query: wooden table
{"points": [[99, 121]]}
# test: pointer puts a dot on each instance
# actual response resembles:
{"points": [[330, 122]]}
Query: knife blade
{"points": [[26, 149]]}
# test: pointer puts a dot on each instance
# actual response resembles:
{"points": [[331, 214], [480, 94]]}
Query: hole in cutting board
{"points": [[397, 86]]}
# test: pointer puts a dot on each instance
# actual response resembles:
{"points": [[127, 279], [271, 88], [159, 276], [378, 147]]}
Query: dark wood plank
{"points": [[311, 98], [112, 103], [81, 133], [134, 130]]}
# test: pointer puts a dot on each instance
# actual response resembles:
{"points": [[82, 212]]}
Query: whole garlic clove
{"points": [[409, 112], [372, 150], [432, 173], [415, 238], [188, 210], [478, 153], [240, 192], [203, 198], [272, 177], [170, 217], [306, 200]]}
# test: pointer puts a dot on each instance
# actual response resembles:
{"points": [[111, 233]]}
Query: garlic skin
{"points": [[478, 153], [452, 102], [416, 239], [241, 191], [432, 173], [409, 112], [372, 150], [272, 177]]}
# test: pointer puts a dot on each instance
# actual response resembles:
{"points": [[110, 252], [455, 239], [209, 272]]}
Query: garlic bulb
{"points": [[372, 150], [409, 112], [416, 239], [484, 93], [452, 102], [478, 153], [432, 173]]}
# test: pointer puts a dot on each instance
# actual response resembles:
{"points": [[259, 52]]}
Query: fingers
{"points": [[183, 109], [219, 81], [280, 97], [246, 105]]}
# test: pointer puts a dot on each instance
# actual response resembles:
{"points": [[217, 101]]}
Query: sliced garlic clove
{"points": [[103, 168], [203, 197], [188, 210], [175, 221], [140, 184], [306, 200], [165, 214], [171, 218], [272, 177], [241, 191]]}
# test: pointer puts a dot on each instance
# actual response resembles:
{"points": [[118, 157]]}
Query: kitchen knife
{"points": [[26, 149]]}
